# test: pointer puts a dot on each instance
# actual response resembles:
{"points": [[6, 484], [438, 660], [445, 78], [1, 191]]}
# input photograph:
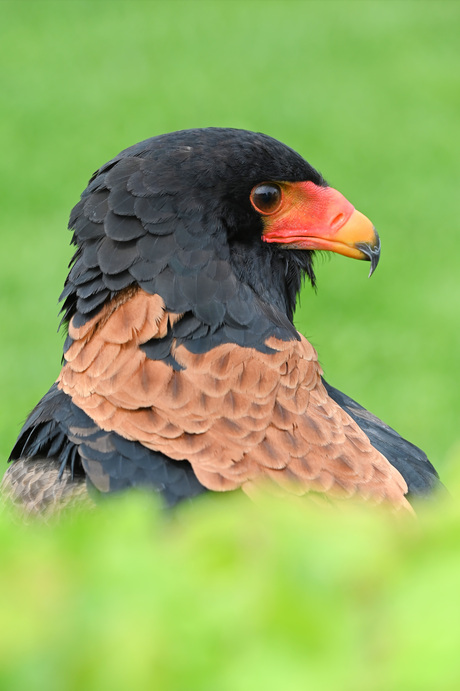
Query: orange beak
{"points": [[320, 218]]}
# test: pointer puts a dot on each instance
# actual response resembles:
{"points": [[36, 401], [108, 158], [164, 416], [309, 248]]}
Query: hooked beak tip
{"points": [[371, 252]]}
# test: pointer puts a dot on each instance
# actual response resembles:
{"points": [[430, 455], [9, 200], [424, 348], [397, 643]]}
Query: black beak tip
{"points": [[372, 252]]}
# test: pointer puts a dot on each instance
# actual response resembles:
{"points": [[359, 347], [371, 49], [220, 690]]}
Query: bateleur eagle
{"points": [[182, 368]]}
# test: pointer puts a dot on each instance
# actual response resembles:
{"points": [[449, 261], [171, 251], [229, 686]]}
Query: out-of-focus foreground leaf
{"points": [[226, 594]]}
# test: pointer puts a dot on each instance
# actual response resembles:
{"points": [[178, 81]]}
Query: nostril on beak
{"points": [[338, 221]]}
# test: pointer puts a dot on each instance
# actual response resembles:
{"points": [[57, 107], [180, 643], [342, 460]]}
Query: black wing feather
{"points": [[57, 429], [408, 459]]}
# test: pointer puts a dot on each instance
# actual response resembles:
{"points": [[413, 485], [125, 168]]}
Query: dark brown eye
{"points": [[266, 198]]}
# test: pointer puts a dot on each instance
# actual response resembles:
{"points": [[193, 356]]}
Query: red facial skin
{"points": [[318, 218]]}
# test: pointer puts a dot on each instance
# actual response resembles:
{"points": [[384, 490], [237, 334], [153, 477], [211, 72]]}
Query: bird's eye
{"points": [[266, 198]]}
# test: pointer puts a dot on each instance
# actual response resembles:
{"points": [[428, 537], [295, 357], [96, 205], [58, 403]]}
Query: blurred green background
{"points": [[369, 92]]}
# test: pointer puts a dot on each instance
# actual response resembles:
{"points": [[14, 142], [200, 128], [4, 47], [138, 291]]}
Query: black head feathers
{"points": [[172, 215]]}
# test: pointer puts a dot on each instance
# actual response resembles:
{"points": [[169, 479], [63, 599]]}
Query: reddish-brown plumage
{"points": [[238, 415]]}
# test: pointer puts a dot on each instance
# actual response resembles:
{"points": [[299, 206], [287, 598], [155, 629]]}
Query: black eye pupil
{"points": [[266, 198]]}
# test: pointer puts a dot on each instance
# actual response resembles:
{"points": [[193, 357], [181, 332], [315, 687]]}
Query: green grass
{"points": [[368, 92]]}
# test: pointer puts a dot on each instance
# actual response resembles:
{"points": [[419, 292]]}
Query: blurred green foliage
{"points": [[226, 595]]}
